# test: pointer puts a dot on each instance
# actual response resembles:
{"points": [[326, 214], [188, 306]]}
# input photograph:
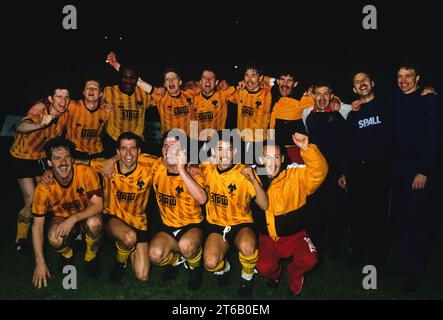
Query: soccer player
{"points": [[174, 106], [211, 105], [129, 104], [253, 106], [75, 203], [86, 121], [28, 153], [283, 234], [179, 197], [231, 187], [126, 197]]}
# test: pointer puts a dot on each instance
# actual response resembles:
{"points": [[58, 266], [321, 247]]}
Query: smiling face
{"points": [[92, 91], [273, 160], [59, 101], [128, 152], [407, 80], [252, 79], [208, 82], [128, 81], [61, 163], [322, 97], [286, 84], [172, 83], [224, 154], [363, 85]]}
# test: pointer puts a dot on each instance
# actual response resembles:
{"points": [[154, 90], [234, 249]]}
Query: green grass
{"points": [[331, 281]]}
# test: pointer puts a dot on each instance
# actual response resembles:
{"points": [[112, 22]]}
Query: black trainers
{"points": [[170, 273], [63, 262], [22, 247], [93, 268], [272, 284], [117, 272], [223, 280], [195, 278], [246, 287]]}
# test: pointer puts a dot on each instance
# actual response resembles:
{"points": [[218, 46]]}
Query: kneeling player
{"points": [[179, 197], [232, 187], [75, 201], [126, 197]]}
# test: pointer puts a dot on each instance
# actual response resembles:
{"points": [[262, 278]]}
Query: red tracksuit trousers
{"points": [[298, 247]]}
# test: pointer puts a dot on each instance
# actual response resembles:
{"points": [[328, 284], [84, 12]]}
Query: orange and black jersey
{"points": [[229, 195], [128, 111], [177, 206], [175, 112], [287, 193], [65, 201], [211, 112], [253, 112], [126, 195], [31, 145], [84, 127]]}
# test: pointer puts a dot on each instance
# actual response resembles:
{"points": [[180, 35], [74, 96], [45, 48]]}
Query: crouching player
{"points": [[283, 233], [75, 203]]}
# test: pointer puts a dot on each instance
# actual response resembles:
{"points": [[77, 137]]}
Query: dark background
{"points": [[318, 39]]}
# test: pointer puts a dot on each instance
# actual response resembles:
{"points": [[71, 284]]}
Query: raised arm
{"points": [[196, 191], [261, 198]]}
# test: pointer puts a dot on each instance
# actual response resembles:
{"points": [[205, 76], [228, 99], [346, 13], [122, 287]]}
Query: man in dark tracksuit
{"points": [[417, 133], [326, 129], [368, 174]]}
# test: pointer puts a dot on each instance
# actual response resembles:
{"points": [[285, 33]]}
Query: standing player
{"points": [[126, 197], [174, 106], [129, 104], [86, 121], [179, 197], [28, 153], [211, 105], [231, 187], [74, 200]]}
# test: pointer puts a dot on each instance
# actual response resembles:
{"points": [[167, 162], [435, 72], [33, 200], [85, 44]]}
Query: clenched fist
{"points": [[301, 141]]}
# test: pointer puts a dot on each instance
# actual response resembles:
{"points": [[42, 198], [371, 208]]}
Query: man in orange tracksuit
{"points": [[282, 232]]}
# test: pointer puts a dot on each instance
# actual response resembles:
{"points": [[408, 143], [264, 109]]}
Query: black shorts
{"points": [[25, 168], [229, 233], [177, 233], [142, 235]]}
